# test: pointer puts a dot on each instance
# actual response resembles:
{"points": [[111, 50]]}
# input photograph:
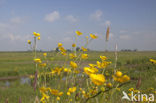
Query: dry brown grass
{"points": [[107, 33]]}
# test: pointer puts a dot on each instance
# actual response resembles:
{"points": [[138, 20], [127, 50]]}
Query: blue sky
{"points": [[132, 23]]}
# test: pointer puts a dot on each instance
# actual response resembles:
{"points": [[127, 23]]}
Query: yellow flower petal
{"points": [[97, 79], [93, 36], [78, 33]]}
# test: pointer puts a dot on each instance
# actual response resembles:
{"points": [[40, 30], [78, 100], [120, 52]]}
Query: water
{"points": [[7, 83], [25, 80]]}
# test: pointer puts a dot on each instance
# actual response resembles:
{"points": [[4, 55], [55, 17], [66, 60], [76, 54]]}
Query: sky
{"points": [[132, 23]]}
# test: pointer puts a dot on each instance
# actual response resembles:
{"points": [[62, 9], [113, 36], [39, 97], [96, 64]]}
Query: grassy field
{"points": [[13, 64]]}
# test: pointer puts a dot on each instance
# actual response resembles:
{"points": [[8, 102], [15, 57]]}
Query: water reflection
{"points": [[25, 80], [7, 83]]}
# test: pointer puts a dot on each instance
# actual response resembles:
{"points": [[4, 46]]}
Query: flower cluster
{"points": [[153, 61], [120, 78], [62, 49], [46, 92], [78, 81]]}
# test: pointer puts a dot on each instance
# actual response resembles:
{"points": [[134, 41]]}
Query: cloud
{"points": [[123, 31], [125, 37], [107, 23], [16, 37], [52, 16], [67, 40], [96, 15], [71, 18], [11, 25], [49, 38], [70, 32], [16, 20], [4, 25]]}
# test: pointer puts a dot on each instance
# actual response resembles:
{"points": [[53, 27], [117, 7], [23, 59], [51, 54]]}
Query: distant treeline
{"points": [[129, 50], [79, 49]]}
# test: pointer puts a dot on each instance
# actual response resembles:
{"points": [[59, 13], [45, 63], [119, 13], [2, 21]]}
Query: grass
{"points": [[135, 64]]}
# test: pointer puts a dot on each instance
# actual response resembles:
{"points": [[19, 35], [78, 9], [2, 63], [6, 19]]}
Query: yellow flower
{"points": [[37, 60], [103, 64], [72, 56], [84, 56], [60, 94], [58, 98], [64, 53], [36, 34], [62, 49], [76, 71], [103, 58], [70, 100], [29, 42], [109, 85], [118, 89], [73, 45], [93, 91], [131, 89], [124, 78], [118, 74], [44, 97], [38, 38], [93, 36], [102, 89], [57, 70], [92, 65], [43, 89], [31, 76], [84, 49], [56, 92], [99, 64], [78, 33], [45, 54], [59, 44], [43, 65], [83, 92], [153, 61], [97, 79], [89, 71], [145, 98], [68, 93], [67, 70], [73, 64], [72, 90], [86, 37]]}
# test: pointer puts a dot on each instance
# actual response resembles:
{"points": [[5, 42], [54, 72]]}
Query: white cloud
{"points": [[107, 23], [4, 26], [52, 16], [71, 18], [123, 31], [69, 32], [96, 15], [49, 38], [16, 20], [125, 37], [67, 40], [16, 37]]}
